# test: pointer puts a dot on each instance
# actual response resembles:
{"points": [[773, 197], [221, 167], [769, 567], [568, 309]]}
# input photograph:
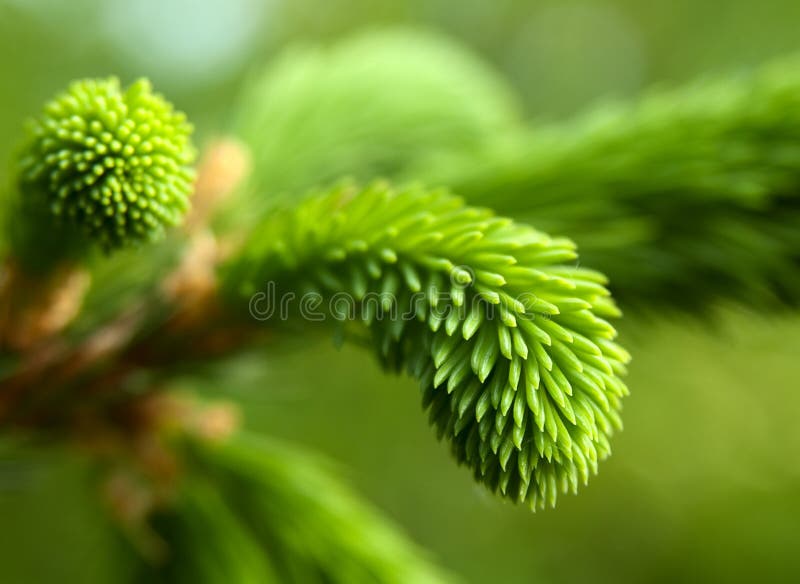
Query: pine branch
{"points": [[685, 198], [507, 336]]}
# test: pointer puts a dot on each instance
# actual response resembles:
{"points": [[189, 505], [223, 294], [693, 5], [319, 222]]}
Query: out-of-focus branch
{"points": [[684, 198]]}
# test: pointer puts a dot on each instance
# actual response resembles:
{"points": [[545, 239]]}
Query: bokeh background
{"points": [[704, 483]]}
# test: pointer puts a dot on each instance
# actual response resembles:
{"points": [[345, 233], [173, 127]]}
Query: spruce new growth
{"points": [[509, 339], [124, 270], [114, 164]]}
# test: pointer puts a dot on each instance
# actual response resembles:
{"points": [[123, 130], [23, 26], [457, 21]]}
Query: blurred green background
{"points": [[704, 483]]}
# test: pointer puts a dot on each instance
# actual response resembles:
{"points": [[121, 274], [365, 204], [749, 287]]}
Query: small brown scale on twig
{"points": [[35, 308]]}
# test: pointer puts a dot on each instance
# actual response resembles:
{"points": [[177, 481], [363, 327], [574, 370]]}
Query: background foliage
{"points": [[704, 483]]}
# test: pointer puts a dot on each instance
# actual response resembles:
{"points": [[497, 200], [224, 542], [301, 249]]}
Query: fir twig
{"points": [[506, 334]]}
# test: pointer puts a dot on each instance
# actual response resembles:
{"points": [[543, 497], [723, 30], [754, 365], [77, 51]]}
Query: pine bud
{"points": [[114, 163]]}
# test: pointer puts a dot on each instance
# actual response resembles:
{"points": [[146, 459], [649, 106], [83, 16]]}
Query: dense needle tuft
{"points": [[508, 337], [113, 162]]}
